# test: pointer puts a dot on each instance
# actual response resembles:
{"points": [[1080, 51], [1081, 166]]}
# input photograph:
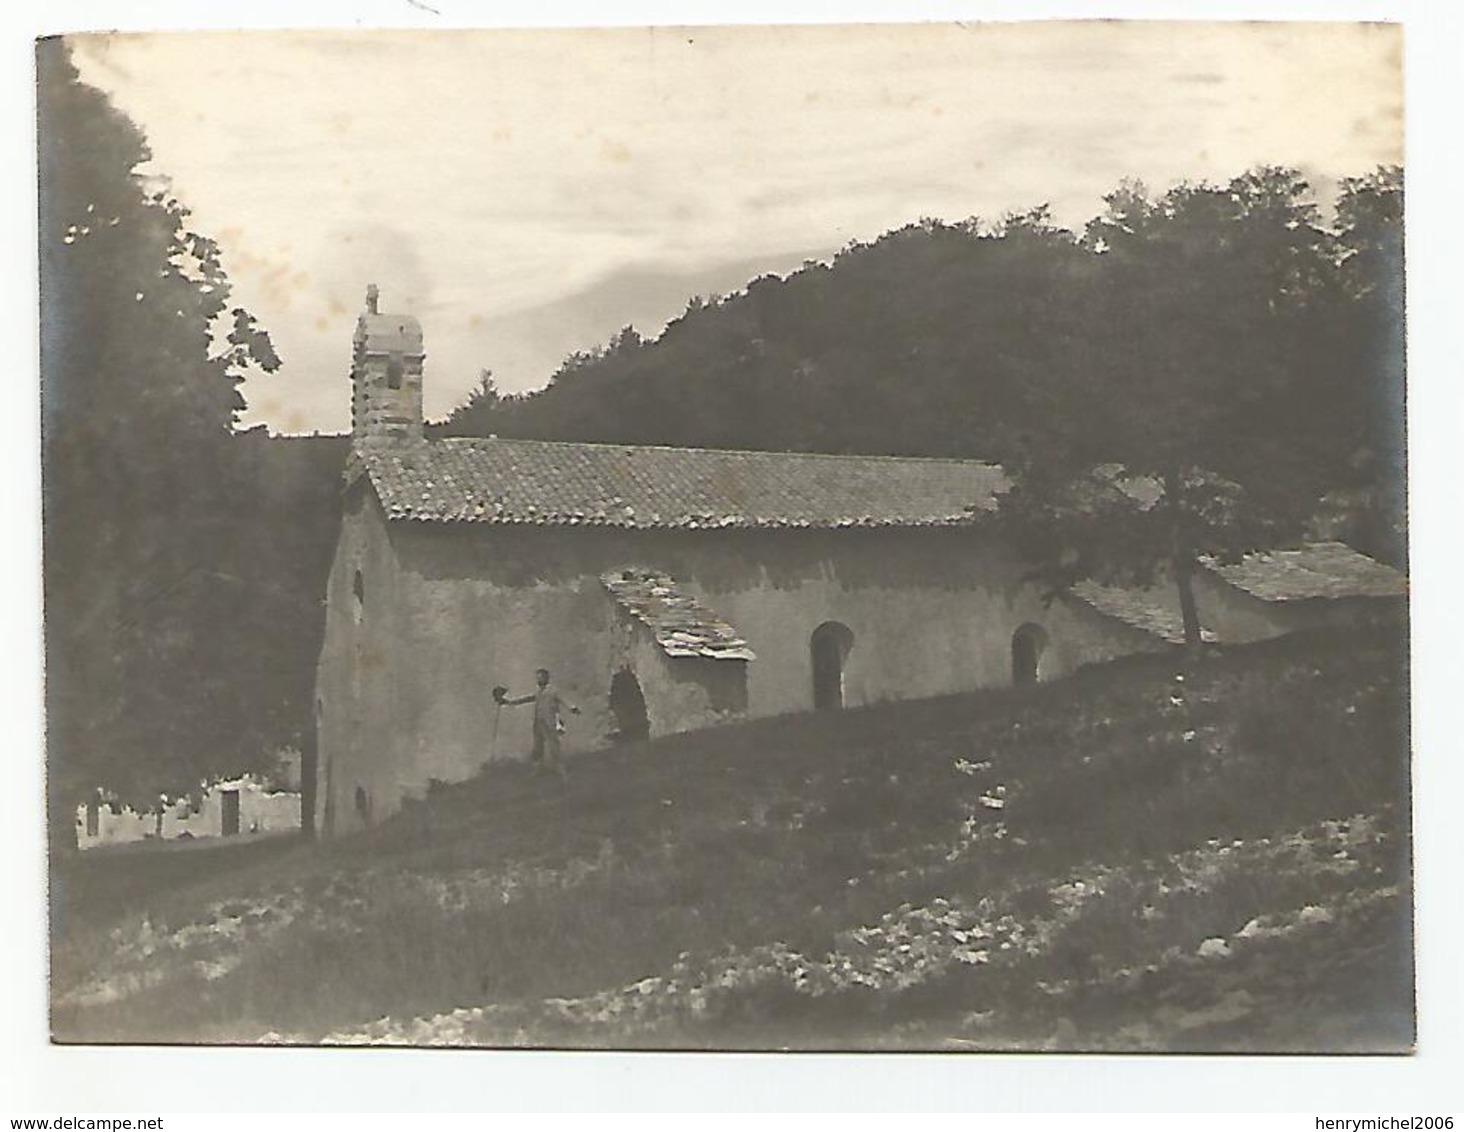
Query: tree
{"points": [[482, 408], [1165, 447], [141, 359], [1368, 503], [485, 395]]}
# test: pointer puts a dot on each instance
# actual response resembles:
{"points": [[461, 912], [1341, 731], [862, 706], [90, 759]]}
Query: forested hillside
{"points": [[836, 357], [1236, 308]]}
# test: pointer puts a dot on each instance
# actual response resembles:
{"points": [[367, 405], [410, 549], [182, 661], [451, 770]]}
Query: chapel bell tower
{"points": [[386, 375]]}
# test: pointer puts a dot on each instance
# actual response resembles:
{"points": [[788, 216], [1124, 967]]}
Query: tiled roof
{"points": [[1316, 570], [565, 484], [1137, 609], [682, 625]]}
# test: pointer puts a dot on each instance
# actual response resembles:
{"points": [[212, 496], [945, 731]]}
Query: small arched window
{"points": [[1028, 644], [394, 371], [358, 596], [829, 649]]}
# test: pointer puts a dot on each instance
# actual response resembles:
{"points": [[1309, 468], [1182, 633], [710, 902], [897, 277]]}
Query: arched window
{"points": [[829, 650], [394, 371], [358, 591], [1028, 644], [628, 708], [363, 805]]}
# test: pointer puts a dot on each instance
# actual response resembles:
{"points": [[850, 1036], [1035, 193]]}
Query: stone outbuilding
{"points": [[1265, 595], [665, 589]]}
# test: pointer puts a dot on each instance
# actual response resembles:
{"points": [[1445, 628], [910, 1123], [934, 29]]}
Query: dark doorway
{"points": [[628, 708], [363, 805], [829, 647], [1028, 642], [93, 817], [230, 799]]}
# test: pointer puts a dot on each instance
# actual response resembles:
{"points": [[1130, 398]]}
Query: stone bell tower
{"points": [[386, 375]]}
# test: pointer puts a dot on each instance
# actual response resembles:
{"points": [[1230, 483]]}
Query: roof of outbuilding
{"points": [[682, 625], [554, 483], [1316, 570], [1136, 608]]}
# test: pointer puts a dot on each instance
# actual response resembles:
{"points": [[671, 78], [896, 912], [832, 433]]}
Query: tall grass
{"points": [[509, 890]]}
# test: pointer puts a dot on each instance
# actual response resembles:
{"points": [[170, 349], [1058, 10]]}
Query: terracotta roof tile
{"points": [[682, 625], [566, 484], [1316, 570]]}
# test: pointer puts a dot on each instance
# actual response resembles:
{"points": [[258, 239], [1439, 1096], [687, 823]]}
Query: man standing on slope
{"points": [[548, 720]]}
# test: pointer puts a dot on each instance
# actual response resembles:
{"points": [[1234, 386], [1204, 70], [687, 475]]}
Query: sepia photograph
{"points": [[848, 537]]}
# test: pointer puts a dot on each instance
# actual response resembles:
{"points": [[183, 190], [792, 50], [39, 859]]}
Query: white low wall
{"points": [[261, 810]]}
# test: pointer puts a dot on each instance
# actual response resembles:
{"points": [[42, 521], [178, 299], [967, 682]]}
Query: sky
{"points": [[527, 193]]}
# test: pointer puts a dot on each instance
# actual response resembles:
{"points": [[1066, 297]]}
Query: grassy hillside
{"points": [[1121, 860]]}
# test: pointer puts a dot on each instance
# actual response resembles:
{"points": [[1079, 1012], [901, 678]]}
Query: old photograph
{"points": [[832, 538]]}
